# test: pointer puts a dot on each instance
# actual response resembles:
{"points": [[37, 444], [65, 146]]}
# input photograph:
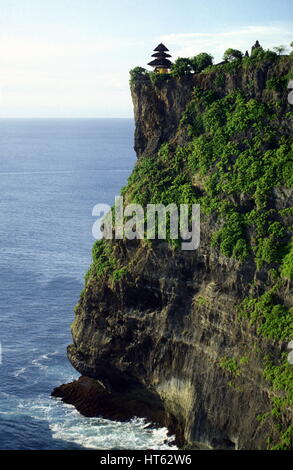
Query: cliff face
{"points": [[171, 322]]}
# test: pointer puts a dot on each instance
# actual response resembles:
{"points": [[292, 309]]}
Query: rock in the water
{"points": [[92, 398]]}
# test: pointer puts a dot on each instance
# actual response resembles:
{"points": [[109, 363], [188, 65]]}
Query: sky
{"points": [[71, 58]]}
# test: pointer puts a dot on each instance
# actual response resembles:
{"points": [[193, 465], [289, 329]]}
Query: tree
{"points": [[280, 49], [232, 54], [201, 61], [181, 67], [258, 52], [260, 55], [137, 72]]}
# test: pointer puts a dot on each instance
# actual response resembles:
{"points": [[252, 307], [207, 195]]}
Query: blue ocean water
{"points": [[52, 173]]}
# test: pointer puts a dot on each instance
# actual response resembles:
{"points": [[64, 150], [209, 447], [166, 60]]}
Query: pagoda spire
{"points": [[161, 63], [256, 46]]}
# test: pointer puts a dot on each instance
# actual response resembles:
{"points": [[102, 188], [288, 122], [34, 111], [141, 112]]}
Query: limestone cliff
{"points": [[172, 321]]}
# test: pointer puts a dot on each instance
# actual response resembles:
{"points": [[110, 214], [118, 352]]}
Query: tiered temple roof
{"points": [[161, 57]]}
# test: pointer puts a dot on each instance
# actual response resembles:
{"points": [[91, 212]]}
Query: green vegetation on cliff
{"points": [[236, 157], [238, 154], [233, 59]]}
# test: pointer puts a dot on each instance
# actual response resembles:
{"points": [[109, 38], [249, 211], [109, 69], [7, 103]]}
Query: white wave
{"points": [[19, 372], [36, 362], [96, 433]]}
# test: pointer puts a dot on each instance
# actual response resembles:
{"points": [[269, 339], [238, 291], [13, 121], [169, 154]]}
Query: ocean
{"points": [[52, 173]]}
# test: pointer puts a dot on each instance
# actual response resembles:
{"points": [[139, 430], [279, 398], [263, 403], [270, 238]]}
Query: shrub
{"points": [[120, 274], [137, 73], [277, 83], [287, 263], [201, 61], [103, 258], [259, 55], [277, 323], [280, 374], [157, 78], [230, 365], [232, 54], [274, 320], [220, 80], [181, 67]]}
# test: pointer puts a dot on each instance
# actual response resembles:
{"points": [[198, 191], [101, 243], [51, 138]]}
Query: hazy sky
{"points": [[70, 58]]}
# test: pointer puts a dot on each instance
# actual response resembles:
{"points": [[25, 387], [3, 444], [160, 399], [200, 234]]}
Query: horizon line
{"points": [[64, 117]]}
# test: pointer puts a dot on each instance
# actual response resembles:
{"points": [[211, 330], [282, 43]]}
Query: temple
{"points": [[255, 46], [161, 63]]}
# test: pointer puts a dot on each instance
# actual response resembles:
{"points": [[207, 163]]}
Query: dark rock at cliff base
{"points": [[92, 398]]}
